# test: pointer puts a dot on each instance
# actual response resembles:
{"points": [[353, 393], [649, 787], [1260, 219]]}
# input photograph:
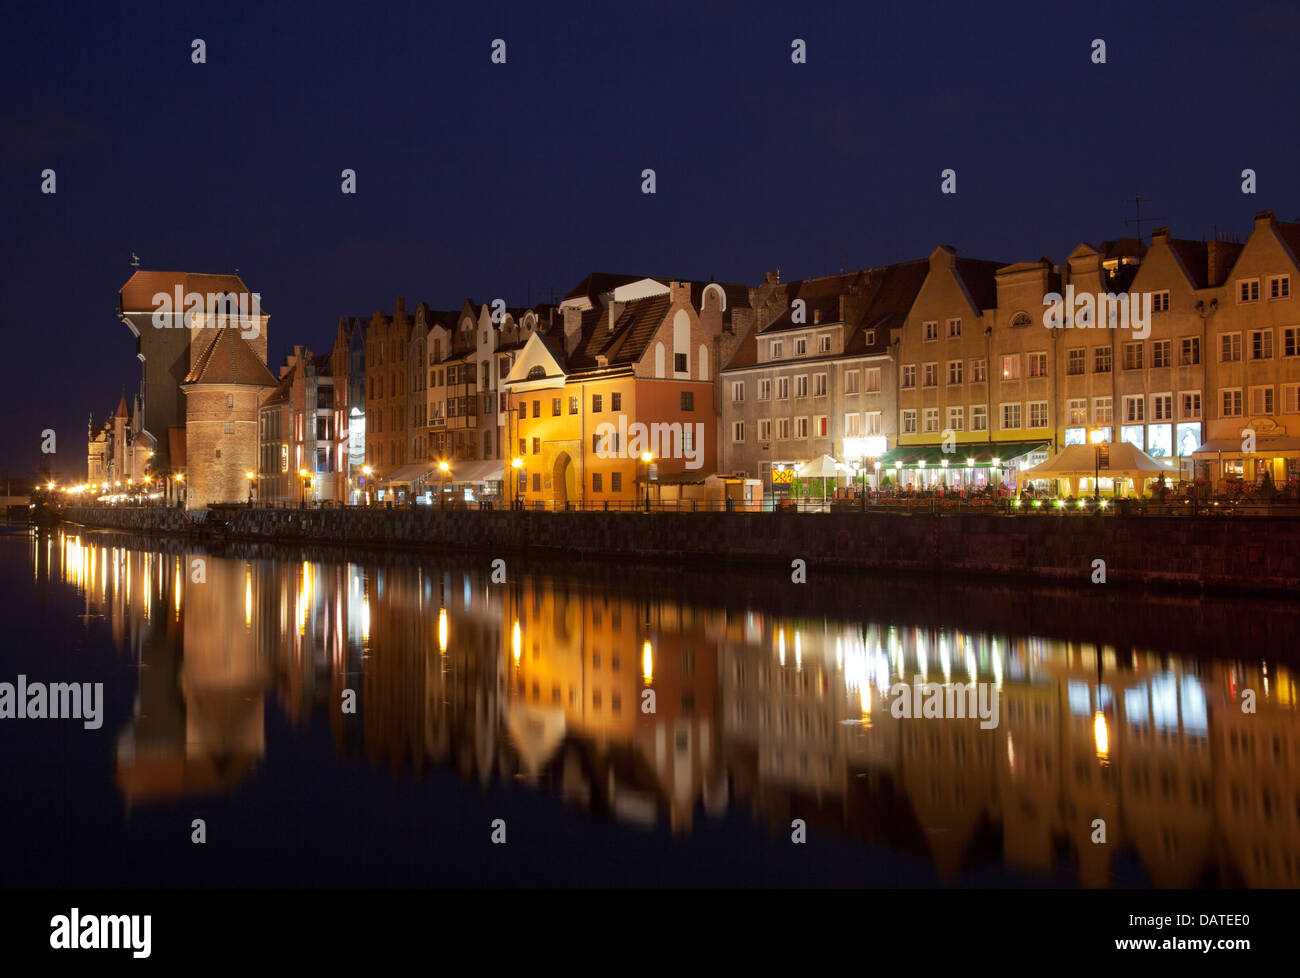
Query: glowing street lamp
{"points": [[647, 458], [445, 469], [250, 477], [517, 464]]}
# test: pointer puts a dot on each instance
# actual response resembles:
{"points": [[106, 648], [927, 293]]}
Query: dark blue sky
{"points": [[476, 179]]}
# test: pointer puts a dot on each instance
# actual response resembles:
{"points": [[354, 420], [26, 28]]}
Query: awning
{"points": [[983, 454], [475, 473], [1264, 445], [404, 475]]}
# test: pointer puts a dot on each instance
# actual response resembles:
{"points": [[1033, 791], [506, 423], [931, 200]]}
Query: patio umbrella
{"points": [[821, 468]]}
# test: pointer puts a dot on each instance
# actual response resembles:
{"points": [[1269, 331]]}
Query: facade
{"points": [[629, 373], [275, 480]]}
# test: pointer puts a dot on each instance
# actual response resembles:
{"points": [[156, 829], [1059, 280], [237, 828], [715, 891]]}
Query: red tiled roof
{"points": [[138, 292], [230, 360]]}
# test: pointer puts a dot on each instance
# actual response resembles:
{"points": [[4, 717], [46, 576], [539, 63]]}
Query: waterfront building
{"points": [[276, 483], [616, 402]]}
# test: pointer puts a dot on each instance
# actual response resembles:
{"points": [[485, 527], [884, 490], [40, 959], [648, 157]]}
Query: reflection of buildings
{"points": [[544, 678]]}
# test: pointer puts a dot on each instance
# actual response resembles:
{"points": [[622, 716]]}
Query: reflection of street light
{"points": [[365, 474]]}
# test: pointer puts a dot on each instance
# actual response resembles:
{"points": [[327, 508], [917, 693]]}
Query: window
{"points": [[523, 482], [596, 403], [931, 420], [1229, 347], [873, 423], [1261, 400], [957, 418], [615, 401], [1190, 351], [1010, 416], [909, 375], [930, 331], [1290, 341], [1162, 407], [737, 391], [1074, 361], [873, 380], [1291, 398], [979, 417], [930, 375], [1261, 344], [1248, 290], [537, 446], [1038, 414], [1133, 356], [1160, 355], [523, 446], [555, 406], [595, 482], [801, 386], [954, 329], [765, 389], [783, 388], [230, 427], [737, 432], [1134, 409], [821, 426], [954, 372], [1101, 360], [537, 482], [230, 400], [573, 404], [679, 363], [800, 347], [776, 349], [819, 385], [1230, 405], [979, 371], [909, 422], [616, 482], [801, 427], [823, 344], [783, 428], [765, 429], [853, 425], [1038, 364], [1076, 411], [869, 337], [1011, 368], [688, 400], [1102, 410], [851, 382], [1160, 301], [1279, 287], [1191, 405]]}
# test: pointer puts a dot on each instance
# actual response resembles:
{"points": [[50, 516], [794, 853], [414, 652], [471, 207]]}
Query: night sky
{"points": [[478, 179]]}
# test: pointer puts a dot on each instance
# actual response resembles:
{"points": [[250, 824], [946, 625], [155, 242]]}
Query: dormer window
{"points": [[602, 362], [776, 349], [537, 373]]}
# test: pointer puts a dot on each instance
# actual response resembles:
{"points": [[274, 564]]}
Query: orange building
{"points": [[620, 401]]}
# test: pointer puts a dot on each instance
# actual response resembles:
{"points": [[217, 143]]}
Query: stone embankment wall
{"points": [[1244, 553]]}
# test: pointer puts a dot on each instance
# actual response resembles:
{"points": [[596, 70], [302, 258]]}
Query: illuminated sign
{"points": [[782, 476]]}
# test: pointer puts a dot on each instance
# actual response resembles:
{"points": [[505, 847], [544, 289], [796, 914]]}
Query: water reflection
{"points": [[655, 711]]}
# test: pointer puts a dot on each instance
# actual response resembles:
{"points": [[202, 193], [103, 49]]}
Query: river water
{"points": [[336, 718]]}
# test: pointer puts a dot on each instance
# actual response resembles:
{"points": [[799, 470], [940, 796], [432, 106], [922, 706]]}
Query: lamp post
{"points": [[445, 469], [249, 476], [306, 479], [517, 464], [997, 464], [1095, 436], [365, 474], [647, 458]]}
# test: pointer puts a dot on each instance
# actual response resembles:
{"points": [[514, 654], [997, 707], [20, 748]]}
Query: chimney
{"points": [[1219, 257], [1263, 219], [817, 317], [679, 293], [572, 330], [1159, 234]]}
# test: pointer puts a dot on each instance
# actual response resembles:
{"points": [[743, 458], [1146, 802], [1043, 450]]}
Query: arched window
{"points": [[537, 373], [1020, 320]]}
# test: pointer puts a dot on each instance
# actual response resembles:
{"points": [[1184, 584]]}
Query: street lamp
{"points": [[647, 458], [249, 476], [517, 464], [445, 469], [305, 476], [1096, 436]]}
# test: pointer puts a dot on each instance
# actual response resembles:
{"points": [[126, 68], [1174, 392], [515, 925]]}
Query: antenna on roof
{"points": [[135, 260], [1138, 201]]}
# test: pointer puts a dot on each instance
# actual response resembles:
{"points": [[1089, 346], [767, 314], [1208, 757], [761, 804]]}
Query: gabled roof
{"points": [[229, 359], [138, 292], [122, 411], [626, 343]]}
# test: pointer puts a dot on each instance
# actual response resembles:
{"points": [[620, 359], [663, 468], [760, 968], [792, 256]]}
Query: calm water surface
{"points": [[522, 701]]}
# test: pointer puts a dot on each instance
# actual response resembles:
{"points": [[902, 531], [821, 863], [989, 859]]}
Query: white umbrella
{"points": [[821, 468]]}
